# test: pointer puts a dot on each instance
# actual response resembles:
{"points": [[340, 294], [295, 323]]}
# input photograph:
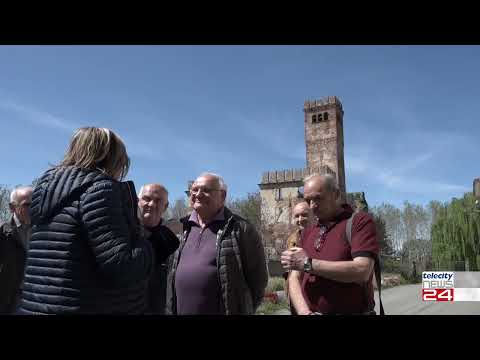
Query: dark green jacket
{"points": [[241, 266]]}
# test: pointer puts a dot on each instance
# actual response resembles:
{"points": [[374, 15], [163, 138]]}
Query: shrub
{"points": [[269, 308], [275, 283]]}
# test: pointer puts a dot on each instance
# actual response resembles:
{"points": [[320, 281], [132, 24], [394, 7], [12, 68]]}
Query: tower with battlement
{"points": [[324, 136], [280, 190]]}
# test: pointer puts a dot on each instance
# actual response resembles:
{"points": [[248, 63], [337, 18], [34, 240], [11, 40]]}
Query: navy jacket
{"points": [[86, 254]]}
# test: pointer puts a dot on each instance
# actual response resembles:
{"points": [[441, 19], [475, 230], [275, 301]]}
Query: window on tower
{"points": [[278, 194], [319, 117], [325, 116], [314, 119], [300, 192]]}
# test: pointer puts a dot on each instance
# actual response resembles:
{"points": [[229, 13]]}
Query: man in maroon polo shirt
{"points": [[337, 276]]}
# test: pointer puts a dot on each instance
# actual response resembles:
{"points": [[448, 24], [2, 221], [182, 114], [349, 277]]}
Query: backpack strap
{"points": [[376, 267]]}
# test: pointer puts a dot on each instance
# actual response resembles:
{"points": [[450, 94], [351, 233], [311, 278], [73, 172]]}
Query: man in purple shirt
{"points": [[220, 267]]}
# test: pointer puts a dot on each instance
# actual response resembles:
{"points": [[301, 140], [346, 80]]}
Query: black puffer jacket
{"points": [[12, 266], [86, 253], [164, 243]]}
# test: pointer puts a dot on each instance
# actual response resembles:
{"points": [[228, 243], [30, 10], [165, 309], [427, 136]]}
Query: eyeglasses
{"points": [[320, 241], [206, 191]]}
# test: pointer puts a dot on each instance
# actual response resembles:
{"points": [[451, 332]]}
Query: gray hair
{"points": [[330, 181], [163, 188], [14, 193], [221, 182]]}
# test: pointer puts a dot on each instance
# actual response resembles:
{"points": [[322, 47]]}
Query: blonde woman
{"points": [[86, 253], [302, 217]]}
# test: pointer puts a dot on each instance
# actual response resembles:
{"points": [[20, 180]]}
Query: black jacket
{"points": [[164, 243], [86, 251], [12, 267], [241, 266]]}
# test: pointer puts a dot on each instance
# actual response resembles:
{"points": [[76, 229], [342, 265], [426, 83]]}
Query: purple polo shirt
{"points": [[196, 279]]}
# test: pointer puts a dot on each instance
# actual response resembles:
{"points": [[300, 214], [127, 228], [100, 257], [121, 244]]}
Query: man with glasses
{"points": [[220, 267], [337, 274], [14, 240]]}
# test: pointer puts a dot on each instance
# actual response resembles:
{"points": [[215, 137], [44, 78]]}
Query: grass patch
{"points": [[269, 308]]}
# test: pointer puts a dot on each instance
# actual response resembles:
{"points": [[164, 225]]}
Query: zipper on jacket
{"points": [[220, 234], [217, 245], [131, 200], [174, 270]]}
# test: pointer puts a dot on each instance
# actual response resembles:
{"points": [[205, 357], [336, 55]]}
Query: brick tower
{"points": [[324, 137]]}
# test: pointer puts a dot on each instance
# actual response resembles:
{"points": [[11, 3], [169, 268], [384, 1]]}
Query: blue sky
{"points": [[410, 122]]}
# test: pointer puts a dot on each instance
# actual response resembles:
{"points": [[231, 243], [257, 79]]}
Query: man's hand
{"points": [[293, 259]]}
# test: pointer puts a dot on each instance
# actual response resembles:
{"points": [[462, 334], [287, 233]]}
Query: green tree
{"points": [[455, 235]]}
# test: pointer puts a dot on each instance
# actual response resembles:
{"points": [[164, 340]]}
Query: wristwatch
{"points": [[307, 265]]}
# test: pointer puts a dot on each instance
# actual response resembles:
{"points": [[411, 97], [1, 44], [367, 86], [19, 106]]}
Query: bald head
{"points": [[321, 193], [20, 201], [153, 187], [152, 204], [326, 181]]}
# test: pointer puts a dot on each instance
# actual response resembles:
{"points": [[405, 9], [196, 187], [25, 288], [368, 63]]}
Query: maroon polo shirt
{"points": [[329, 296]]}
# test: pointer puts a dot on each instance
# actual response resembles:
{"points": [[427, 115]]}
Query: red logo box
{"points": [[438, 294]]}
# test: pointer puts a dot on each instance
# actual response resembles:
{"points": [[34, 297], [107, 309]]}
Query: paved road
{"points": [[406, 300]]}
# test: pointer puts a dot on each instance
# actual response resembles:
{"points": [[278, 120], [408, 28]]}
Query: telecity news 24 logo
{"points": [[438, 285]]}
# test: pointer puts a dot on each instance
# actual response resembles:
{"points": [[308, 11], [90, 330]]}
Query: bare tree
{"points": [[415, 221], [4, 201], [249, 208], [383, 237], [393, 223], [179, 209]]}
